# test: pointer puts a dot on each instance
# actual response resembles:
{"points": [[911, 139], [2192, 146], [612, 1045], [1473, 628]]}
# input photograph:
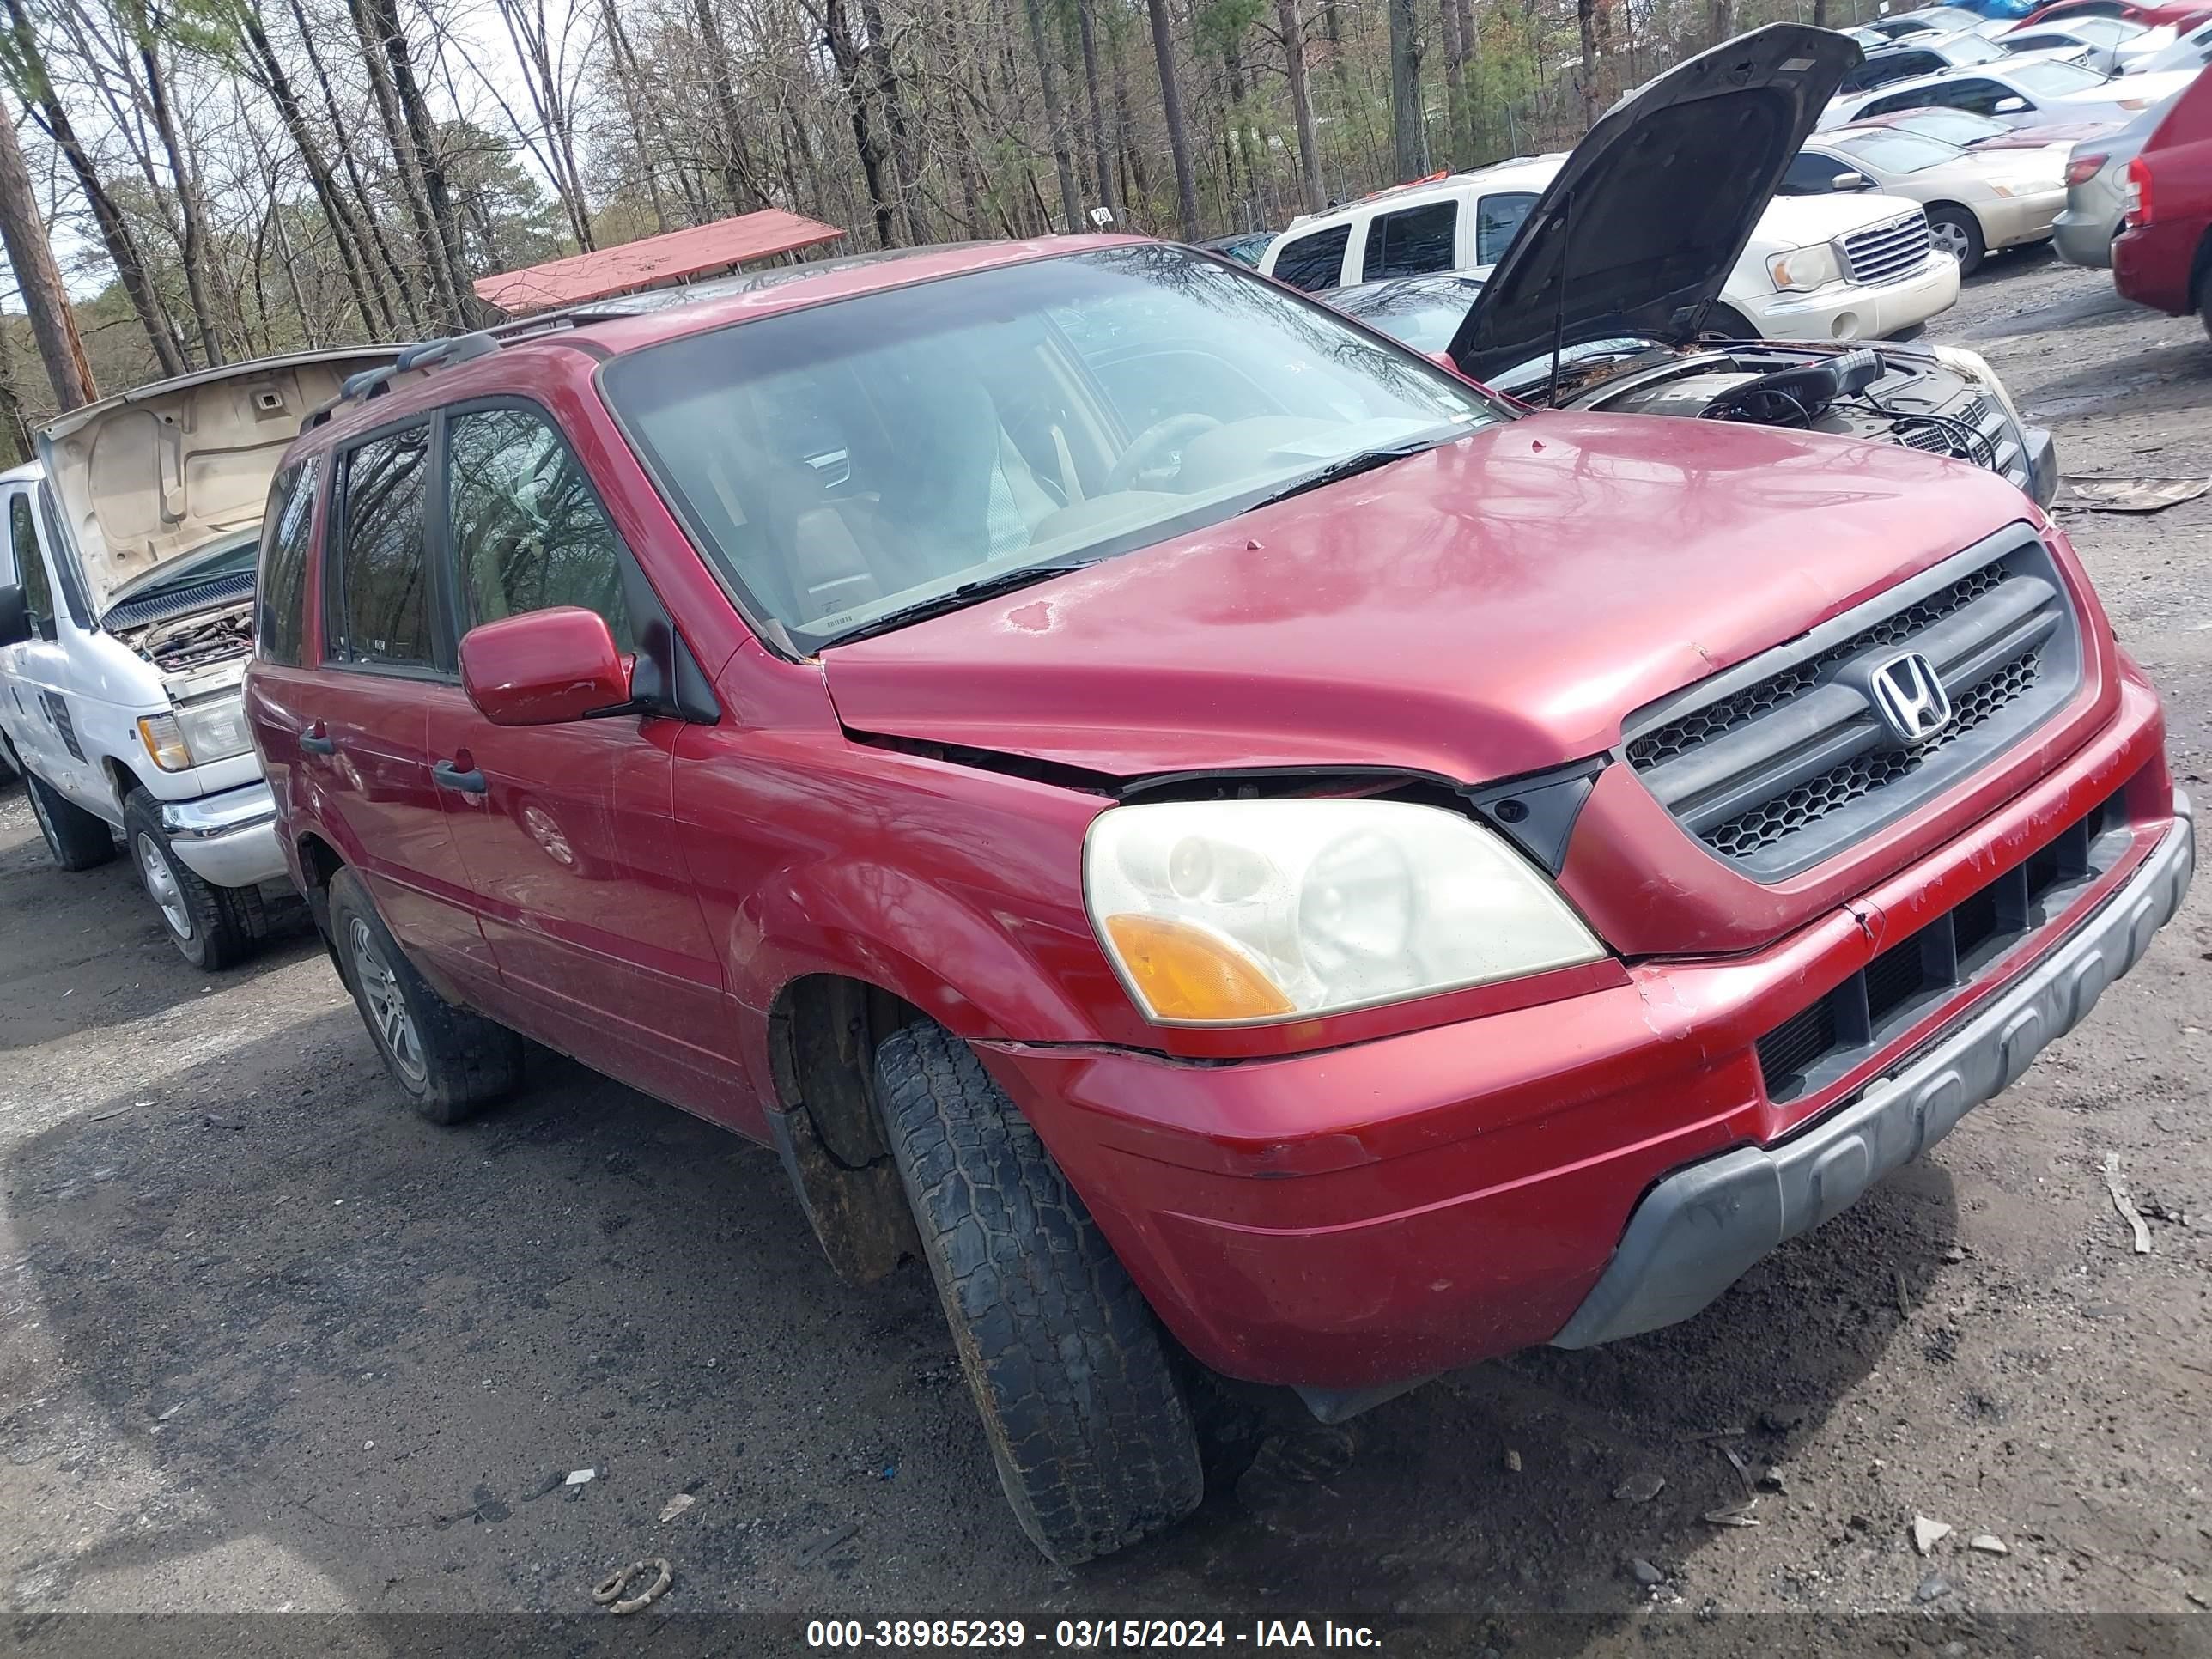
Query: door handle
{"points": [[449, 776], [315, 741]]}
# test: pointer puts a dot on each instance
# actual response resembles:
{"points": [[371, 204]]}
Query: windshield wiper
{"points": [[959, 599], [1352, 465]]}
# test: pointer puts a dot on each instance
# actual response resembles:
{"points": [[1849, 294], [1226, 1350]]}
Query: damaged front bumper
{"points": [[228, 840]]}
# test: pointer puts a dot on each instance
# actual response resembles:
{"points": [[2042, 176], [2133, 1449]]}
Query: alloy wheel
{"points": [[387, 1005]]}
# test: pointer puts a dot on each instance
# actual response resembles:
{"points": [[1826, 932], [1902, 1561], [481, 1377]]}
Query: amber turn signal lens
{"points": [[1184, 972]]}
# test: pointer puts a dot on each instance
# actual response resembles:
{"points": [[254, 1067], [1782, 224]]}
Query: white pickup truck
{"points": [[126, 614]]}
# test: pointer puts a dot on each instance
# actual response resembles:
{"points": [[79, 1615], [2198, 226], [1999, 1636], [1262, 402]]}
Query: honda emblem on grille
{"points": [[1909, 699]]}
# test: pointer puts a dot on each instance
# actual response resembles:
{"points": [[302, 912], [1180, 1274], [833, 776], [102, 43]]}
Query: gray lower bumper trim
{"points": [[1700, 1228]]}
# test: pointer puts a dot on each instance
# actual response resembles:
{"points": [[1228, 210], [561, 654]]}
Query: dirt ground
{"points": [[269, 1342]]}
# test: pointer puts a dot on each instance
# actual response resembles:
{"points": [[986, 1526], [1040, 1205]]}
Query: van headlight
{"points": [[1974, 369], [1246, 913], [196, 733], [1804, 269]]}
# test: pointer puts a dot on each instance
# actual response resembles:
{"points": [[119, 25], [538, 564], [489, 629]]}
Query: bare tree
{"points": [[1407, 149], [31, 256], [1171, 108]]}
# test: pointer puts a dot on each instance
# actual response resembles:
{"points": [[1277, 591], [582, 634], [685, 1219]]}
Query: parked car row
{"points": [[1193, 819]]}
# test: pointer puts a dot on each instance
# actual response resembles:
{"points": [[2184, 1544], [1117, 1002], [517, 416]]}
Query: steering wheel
{"points": [[1156, 449]]}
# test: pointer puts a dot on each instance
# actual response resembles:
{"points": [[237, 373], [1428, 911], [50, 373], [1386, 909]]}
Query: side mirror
{"points": [[2009, 106], [15, 617], [544, 668], [1850, 181]]}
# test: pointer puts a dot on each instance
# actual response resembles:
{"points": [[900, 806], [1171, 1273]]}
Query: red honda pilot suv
{"points": [[1210, 830]]}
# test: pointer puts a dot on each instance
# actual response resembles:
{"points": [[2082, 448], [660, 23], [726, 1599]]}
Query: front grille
{"points": [[1976, 431], [1783, 760], [1819, 1043], [1771, 821], [1887, 252]]}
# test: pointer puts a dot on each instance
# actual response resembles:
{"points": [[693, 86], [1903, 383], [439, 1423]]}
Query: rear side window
{"points": [[1315, 262], [383, 607], [1498, 221], [281, 590], [30, 569], [1412, 242], [529, 530]]}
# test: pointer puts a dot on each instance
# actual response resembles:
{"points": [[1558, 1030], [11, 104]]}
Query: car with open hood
{"points": [[1201, 827], [1638, 325], [124, 626]]}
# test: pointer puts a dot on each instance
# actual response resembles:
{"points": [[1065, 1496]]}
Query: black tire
{"points": [[1093, 1442], [449, 1062], [1726, 323], [77, 839], [212, 928], [1959, 234]]}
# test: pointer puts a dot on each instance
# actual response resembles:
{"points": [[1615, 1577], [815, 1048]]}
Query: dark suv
{"points": [[1202, 824]]}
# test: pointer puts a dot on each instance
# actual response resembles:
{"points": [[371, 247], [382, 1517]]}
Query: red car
{"points": [[1200, 824], [2180, 14], [2163, 258]]}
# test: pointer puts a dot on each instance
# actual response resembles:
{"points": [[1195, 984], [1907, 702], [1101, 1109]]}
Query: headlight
{"points": [[193, 735], [1804, 269], [1974, 368], [1243, 913]]}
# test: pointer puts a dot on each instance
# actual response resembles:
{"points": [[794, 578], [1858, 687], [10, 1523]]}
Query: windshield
{"points": [[1953, 127], [1425, 315], [231, 557], [2057, 80], [1890, 151], [847, 461]]}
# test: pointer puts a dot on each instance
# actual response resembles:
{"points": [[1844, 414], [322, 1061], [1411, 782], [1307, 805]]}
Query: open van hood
{"points": [[1653, 209], [164, 471]]}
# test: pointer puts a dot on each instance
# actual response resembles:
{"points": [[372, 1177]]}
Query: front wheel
{"points": [[212, 928], [1093, 1442], [1958, 233]]}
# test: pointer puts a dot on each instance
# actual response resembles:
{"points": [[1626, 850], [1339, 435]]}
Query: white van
{"points": [[1848, 266], [126, 610]]}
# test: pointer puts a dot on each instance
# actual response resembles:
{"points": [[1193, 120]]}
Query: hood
{"points": [[1486, 609], [160, 472], [1801, 221], [1643, 224]]}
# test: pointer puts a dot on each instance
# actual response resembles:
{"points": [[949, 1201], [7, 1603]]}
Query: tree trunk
{"points": [[1820, 14], [1101, 168], [1133, 155], [1586, 20], [1171, 107], [373, 238], [735, 172], [1724, 16], [629, 81], [345, 230], [187, 188], [15, 428], [438, 273], [845, 53], [906, 164], [1405, 146], [115, 234], [1311, 197], [1456, 123], [1055, 118], [1246, 150], [436, 194], [31, 256]]}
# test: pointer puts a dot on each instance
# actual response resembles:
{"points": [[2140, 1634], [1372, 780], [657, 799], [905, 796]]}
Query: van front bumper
{"points": [[228, 840], [1353, 1220]]}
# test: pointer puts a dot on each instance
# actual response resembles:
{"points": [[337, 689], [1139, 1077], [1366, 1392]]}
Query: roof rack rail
{"points": [[423, 354]]}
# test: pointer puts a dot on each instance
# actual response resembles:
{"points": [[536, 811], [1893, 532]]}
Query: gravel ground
{"points": [[270, 1343]]}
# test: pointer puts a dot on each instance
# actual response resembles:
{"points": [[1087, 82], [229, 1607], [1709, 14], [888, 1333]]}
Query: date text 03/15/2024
{"points": [[1085, 1635]]}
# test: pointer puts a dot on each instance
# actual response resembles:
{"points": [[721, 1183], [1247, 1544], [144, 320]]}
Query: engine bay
{"points": [[1874, 392], [187, 645]]}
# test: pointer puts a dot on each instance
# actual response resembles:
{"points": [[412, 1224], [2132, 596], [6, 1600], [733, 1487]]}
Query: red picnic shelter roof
{"points": [[653, 261]]}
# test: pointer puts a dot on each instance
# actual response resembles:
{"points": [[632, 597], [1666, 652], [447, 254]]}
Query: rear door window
{"points": [[281, 590], [1498, 221], [529, 530], [1314, 261], [1412, 242], [384, 610]]}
